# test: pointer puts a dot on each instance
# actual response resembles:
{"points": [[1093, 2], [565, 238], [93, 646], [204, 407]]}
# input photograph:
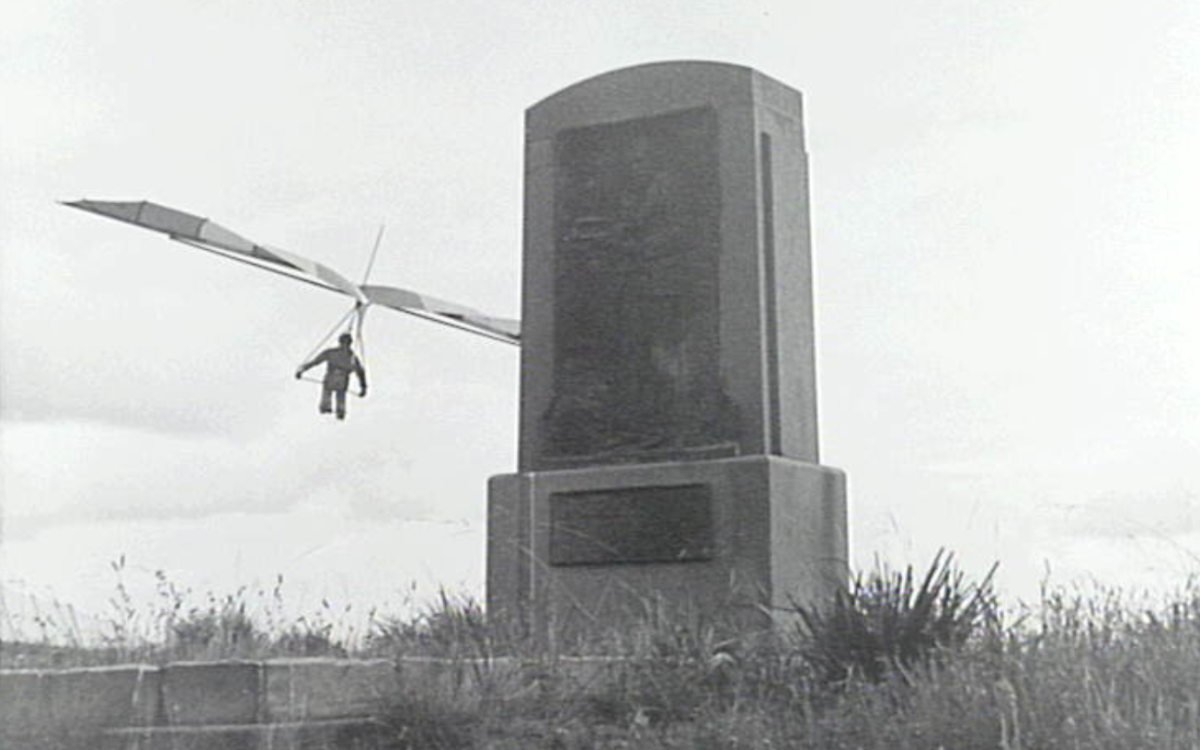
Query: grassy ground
{"points": [[900, 661], [1086, 672]]}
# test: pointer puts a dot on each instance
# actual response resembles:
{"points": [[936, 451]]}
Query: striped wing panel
{"points": [[182, 225], [407, 300]]}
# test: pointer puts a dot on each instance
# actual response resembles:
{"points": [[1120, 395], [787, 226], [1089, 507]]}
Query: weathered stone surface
{"points": [[225, 692], [24, 702], [631, 525], [105, 696], [778, 536], [308, 689], [36, 702], [338, 734], [636, 249], [667, 301]]}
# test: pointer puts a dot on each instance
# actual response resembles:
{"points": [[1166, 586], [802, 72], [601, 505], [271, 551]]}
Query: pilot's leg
{"points": [[341, 403], [326, 396]]}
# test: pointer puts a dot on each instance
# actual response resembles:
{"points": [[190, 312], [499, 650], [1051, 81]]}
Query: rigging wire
{"points": [[432, 317], [361, 309], [356, 317]]}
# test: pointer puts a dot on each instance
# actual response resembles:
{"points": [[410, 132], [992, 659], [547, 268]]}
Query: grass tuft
{"points": [[887, 623]]}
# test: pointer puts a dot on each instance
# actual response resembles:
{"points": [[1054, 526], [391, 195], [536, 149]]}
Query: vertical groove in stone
{"points": [[771, 314]]}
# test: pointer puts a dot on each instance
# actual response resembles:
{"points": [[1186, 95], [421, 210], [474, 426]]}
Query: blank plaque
{"points": [[632, 525]]}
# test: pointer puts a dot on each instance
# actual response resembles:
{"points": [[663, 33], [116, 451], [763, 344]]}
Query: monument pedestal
{"points": [[734, 540]]}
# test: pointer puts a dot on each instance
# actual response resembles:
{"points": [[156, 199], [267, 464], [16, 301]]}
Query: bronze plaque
{"points": [[639, 525], [637, 249]]}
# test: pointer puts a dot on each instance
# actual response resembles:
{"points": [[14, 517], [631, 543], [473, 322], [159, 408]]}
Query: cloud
{"points": [[1164, 515], [401, 454], [71, 472], [383, 564], [22, 406]]}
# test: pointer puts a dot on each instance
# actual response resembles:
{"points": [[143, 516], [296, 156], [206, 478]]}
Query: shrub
{"points": [[885, 624]]}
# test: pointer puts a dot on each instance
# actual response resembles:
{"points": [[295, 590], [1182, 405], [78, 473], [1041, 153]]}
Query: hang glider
{"points": [[204, 234]]}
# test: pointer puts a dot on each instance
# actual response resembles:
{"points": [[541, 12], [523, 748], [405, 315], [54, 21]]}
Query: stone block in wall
{"points": [[225, 692], [24, 709], [308, 689], [104, 696], [43, 702]]}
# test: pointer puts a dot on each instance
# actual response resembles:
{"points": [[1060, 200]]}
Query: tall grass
{"points": [[898, 661], [174, 624], [932, 662]]}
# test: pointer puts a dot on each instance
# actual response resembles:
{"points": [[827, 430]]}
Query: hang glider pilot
{"points": [[340, 362]]}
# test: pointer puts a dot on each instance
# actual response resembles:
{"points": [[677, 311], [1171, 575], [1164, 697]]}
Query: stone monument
{"points": [[668, 424]]}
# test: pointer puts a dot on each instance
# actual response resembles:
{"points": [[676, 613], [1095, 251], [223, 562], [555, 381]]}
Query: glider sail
{"points": [[204, 234], [423, 305]]}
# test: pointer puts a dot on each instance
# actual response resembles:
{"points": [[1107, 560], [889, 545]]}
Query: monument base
{"points": [[734, 541]]}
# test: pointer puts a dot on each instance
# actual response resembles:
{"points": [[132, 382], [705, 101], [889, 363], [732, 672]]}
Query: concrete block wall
{"points": [[280, 704], [284, 704]]}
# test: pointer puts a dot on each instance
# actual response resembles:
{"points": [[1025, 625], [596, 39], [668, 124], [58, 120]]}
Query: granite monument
{"points": [[668, 425]]}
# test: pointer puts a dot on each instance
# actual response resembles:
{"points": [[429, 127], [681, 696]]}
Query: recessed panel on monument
{"points": [[636, 261], [671, 524]]}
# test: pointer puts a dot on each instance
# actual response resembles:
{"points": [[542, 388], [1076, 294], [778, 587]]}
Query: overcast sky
{"points": [[1006, 240]]}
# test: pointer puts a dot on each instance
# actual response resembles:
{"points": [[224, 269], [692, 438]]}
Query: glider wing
{"points": [[196, 230], [451, 313], [208, 235]]}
